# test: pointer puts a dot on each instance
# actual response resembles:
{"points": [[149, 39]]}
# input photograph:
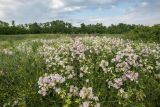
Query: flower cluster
{"points": [[118, 82], [51, 81], [78, 47], [87, 94], [104, 64], [125, 59], [7, 51], [87, 62], [88, 71]]}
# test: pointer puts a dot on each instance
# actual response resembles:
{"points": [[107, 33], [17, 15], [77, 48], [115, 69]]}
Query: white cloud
{"points": [[7, 6], [103, 1], [57, 4], [143, 4], [73, 8], [2, 15]]}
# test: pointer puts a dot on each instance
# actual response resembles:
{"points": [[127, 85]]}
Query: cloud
{"points": [[77, 11], [143, 4], [57, 4], [6, 6]]}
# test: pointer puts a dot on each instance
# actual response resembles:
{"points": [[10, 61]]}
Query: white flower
{"points": [[97, 105], [73, 90], [81, 75], [87, 80], [58, 90], [84, 69], [85, 104], [69, 68], [86, 93], [117, 83], [70, 76], [110, 83], [43, 93], [123, 94], [104, 64], [95, 98], [61, 63], [7, 51]]}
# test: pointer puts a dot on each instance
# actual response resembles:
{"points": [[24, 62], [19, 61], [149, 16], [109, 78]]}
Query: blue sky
{"points": [[108, 12]]}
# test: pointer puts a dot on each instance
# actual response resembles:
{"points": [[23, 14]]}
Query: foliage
{"points": [[62, 27], [79, 71], [145, 33]]}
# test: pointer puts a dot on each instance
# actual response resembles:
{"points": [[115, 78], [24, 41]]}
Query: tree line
{"points": [[60, 26], [131, 31]]}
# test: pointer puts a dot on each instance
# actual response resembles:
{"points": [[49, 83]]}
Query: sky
{"points": [[108, 12]]}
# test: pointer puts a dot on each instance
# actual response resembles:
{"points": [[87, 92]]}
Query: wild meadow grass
{"points": [[78, 71]]}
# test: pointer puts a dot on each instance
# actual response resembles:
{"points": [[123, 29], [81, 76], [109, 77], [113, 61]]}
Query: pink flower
{"points": [[132, 76], [78, 47], [117, 83]]}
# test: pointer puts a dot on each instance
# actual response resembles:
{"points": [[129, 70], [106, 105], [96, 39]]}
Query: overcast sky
{"points": [[77, 11]]}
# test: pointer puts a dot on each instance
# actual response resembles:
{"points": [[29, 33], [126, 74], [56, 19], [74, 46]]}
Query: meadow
{"points": [[78, 71]]}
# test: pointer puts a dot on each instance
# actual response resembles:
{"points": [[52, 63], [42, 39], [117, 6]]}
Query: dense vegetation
{"points": [[63, 27], [145, 33], [134, 32], [78, 72]]}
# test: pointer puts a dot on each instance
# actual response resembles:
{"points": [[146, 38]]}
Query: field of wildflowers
{"points": [[88, 71]]}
